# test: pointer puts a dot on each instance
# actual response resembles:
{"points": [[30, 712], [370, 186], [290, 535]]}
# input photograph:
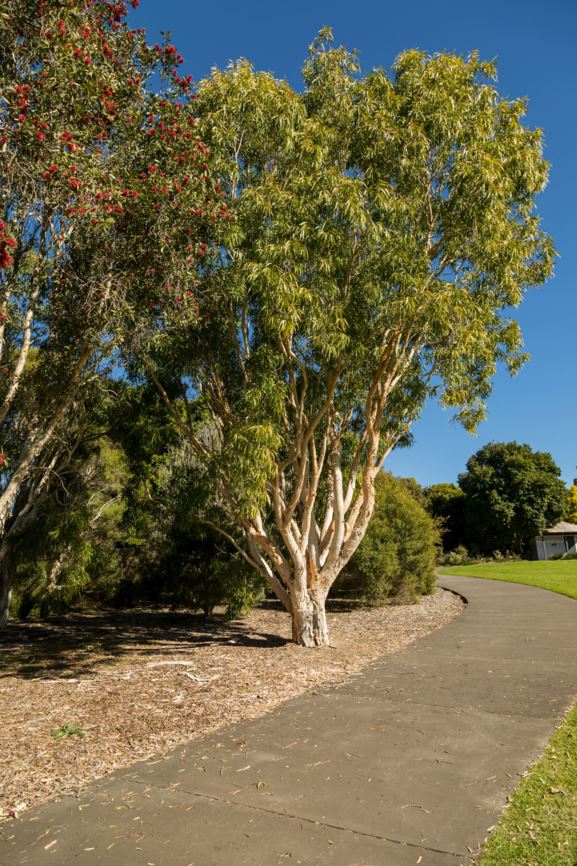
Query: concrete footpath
{"points": [[409, 762]]}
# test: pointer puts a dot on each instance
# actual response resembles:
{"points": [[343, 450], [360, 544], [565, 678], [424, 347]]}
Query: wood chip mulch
{"points": [[137, 683]]}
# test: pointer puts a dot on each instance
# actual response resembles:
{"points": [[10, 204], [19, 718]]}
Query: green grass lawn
{"points": [[539, 827], [558, 576]]}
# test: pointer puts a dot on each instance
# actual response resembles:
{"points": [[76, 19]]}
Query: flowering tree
{"points": [[107, 205], [382, 225]]}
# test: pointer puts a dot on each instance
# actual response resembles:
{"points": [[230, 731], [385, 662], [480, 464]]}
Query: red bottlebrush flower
{"points": [[53, 168], [21, 118], [40, 136], [10, 242], [5, 261], [86, 32], [74, 183], [66, 136], [61, 26], [2, 459]]}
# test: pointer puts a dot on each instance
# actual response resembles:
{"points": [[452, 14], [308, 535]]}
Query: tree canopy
{"points": [[572, 511], [446, 503], [106, 203], [512, 493], [382, 228]]}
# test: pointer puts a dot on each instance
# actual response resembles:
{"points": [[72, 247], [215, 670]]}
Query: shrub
{"points": [[396, 559], [458, 556]]}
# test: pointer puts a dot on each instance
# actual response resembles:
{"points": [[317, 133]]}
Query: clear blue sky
{"points": [[534, 45]]}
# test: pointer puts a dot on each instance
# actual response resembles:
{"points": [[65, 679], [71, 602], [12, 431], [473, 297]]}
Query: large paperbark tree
{"points": [[105, 199], [383, 226]]}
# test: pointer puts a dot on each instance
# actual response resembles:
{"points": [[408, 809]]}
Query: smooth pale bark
{"points": [[309, 620]]}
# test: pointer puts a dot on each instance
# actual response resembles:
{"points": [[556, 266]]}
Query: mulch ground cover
{"points": [[86, 693]]}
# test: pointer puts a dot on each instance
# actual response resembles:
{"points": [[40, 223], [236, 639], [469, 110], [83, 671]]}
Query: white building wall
{"points": [[552, 545]]}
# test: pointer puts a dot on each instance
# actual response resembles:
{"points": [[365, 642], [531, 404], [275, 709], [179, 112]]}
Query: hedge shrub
{"points": [[395, 561]]}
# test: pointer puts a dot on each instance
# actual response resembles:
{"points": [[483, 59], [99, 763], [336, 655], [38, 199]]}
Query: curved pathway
{"points": [[410, 762]]}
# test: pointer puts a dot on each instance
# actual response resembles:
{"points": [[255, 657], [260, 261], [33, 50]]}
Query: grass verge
{"points": [[539, 826], [557, 576]]}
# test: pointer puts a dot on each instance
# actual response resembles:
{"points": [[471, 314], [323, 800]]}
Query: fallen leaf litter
{"points": [[156, 680]]}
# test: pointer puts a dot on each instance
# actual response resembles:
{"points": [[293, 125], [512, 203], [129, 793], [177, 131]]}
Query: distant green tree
{"points": [[396, 558], [512, 493], [446, 503]]}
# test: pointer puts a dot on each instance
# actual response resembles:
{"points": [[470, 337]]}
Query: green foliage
{"points": [[382, 228], [66, 731], [446, 502], [69, 552], [571, 515], [458, 556], [396, 559], [169, 556], [106, 207], [512, 493]]}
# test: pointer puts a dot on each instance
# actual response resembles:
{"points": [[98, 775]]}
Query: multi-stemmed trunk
{"points": [[302, 568]]}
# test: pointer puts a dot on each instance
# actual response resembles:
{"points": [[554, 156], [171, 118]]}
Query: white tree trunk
{"points": [[309, 620]]}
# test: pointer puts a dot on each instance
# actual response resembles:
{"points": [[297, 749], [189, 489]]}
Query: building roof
{"points": [[562, 528]]}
